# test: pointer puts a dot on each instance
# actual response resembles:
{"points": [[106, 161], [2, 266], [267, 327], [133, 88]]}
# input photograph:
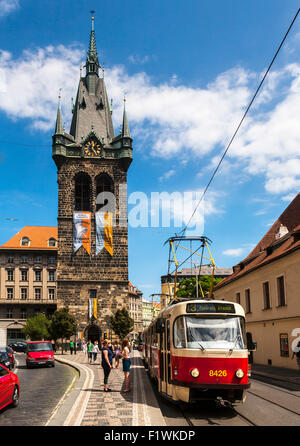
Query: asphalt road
{"points": [[41, 390]]}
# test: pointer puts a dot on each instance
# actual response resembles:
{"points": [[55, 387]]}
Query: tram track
{"points": [[275, 404]]}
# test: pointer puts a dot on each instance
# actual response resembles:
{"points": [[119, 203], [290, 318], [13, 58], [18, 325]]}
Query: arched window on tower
{"points": [[103, 184], [82, 192]]}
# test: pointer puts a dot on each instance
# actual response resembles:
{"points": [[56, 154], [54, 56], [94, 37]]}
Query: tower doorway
{"points": [[93, 333]]}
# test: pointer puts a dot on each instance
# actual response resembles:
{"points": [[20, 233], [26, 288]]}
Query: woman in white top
{"points": [[126, 364], [95, 350]]}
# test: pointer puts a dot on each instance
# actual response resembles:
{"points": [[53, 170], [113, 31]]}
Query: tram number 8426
{"points": [[218, 373]]}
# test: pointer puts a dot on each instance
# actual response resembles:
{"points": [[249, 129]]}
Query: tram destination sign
{"points": [[210, 307]]}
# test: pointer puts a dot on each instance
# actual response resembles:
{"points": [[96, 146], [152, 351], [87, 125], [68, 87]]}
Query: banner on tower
{"points": [[104, 232], [93, 308], [82, 231]]}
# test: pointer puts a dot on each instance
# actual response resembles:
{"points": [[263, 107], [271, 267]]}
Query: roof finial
{"points": [[58, 126], [125, 126], [92, 18]]}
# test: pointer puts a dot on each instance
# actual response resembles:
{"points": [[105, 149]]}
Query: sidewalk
{"points": [[276, 373], [86, 404]]}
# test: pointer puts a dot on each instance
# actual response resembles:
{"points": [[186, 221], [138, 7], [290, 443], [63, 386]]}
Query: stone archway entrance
{"points": [[93, 333]]}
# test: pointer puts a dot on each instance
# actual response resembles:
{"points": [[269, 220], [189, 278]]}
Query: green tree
{"points": [[37, 327], [121, 323], [188, 287], [63, 325]]}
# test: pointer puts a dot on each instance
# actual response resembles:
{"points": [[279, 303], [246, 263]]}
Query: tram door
{"points": [[165, 359]]}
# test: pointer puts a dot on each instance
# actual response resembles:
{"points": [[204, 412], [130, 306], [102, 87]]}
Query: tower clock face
{"points": [[92, 148]]}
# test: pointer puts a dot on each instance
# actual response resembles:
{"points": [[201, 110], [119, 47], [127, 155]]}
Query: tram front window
{"points": [[209, 333]]}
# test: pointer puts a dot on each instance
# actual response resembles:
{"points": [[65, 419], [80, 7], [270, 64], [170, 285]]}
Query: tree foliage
{"points": [[188, 287], [37, 328], [121, 323], [63, 324]]}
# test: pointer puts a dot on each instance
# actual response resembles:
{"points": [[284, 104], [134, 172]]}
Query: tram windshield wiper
{"points": [[235, 341], [195, 340]]}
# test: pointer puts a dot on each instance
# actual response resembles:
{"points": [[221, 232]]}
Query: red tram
{"points": [[196, 350]]}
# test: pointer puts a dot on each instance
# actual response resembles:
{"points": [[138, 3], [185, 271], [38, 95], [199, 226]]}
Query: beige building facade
{"points": [[27, 279], [135, 310], [267, 285]]}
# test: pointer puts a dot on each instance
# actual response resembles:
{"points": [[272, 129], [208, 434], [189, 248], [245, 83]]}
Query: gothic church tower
{"points": [[91, 160]]}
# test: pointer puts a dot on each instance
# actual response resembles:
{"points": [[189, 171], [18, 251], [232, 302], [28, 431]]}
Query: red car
{"points": [[9, 388], [39, 353]]}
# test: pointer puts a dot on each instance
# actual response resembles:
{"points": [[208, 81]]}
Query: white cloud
{"points": [[32, 83], [167, 175], [7, 6], [233, 252]]}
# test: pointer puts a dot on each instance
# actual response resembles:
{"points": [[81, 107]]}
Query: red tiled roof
{"points": [[38, 236], [271, 247]]}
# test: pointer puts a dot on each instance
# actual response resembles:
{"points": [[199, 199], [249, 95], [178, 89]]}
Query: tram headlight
{"points": [[239, 373], [195, 373]]}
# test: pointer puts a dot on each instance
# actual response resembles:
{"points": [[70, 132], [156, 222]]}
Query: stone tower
{"points": [[90, 161]]}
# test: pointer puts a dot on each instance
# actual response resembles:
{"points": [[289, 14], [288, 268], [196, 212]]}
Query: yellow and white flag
{"points": [[104, 232]]}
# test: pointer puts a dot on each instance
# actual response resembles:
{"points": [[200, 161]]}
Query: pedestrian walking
{"points": [[117, 354], [126, 364], [71, 347], [106, 364], [84, 346], [90, 346], [296, 353], [95, 350]]}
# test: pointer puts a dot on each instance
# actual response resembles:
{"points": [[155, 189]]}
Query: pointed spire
{"points": [[125, 126], [92, 62], [59, 124]]}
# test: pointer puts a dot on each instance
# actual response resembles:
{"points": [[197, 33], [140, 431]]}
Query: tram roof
{"points": [[239, 311]]}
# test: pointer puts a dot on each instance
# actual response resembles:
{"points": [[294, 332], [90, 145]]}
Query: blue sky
{"points": [[189, 70]]}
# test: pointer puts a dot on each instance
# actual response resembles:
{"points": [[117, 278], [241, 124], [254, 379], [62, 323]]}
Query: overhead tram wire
{"points": [[241, 122]]}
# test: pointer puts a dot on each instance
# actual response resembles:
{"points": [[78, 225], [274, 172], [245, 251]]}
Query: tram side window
{"points": [[179, 333]]}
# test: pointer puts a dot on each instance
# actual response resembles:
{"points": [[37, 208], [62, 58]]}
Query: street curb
{"points": [[68, 400]]}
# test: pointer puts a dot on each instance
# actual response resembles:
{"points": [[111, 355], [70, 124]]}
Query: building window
{"points": [[38, 275], [10, 259], [266, 294], [38, 293], [25, 241], [23, 313], [93, 294], [10, 275], [284, 344], [281, 291], [52, 242], [24, 275], [51, 276], [248, 301], [51, 293], [9, 293], [24, 293], [38, 259], [103, 184], [9, 313], [82, 192], [51, 260], [238, 298], [24, 259]]}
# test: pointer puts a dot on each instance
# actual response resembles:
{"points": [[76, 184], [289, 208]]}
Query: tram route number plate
{"points": [[217, 373], [210, 307]]}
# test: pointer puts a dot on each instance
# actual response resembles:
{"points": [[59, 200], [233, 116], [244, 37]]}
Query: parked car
{"points": [[18, 346], [4, 360], [10, 354], [39, 353], [140, 347], [9, 388]]}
